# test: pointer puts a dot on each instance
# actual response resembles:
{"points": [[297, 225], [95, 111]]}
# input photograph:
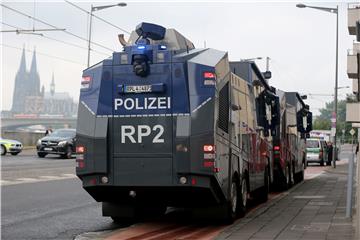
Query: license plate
{"points": [[138, 88], [48, 149]]}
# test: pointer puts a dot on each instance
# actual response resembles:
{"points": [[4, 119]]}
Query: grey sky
{"points": [[300, 42]]}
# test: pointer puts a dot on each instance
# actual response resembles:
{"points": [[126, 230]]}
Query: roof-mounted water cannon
{"points": [[143, 53], [148, 31]]}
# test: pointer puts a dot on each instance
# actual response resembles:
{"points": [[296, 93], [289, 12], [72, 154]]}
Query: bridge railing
{"points": [[26, 138]]}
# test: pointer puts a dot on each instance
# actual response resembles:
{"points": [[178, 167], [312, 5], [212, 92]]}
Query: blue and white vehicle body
{"points": [[154, 128]]}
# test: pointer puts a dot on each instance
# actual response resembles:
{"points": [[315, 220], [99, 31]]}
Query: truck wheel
{"points": [[41, 155], [286, 180], [242, 205], [302, 173], [3, 150], [291, 177], [264, 191], [231, 208]]}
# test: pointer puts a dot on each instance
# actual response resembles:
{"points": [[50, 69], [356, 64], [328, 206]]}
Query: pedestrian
{"points": [[48, 131], [357, 149], [330, 152]]}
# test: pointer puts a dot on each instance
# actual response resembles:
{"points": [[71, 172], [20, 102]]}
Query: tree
{"points": [[323, 121]]}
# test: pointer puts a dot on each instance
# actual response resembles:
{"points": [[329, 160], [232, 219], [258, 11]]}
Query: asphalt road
{"points": [[43, 199]]}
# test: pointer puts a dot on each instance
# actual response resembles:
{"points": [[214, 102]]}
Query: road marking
{"points": [[8, 182], [309, 197], [26, 179], [309, 176]]}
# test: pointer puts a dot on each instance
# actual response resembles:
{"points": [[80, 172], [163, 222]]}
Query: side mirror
{"points": [[273, 132], [304, 97], [300, 121], [275, 113], [261, 112], [309, 119]]}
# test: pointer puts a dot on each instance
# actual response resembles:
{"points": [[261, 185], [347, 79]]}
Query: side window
{"points": [[223, 122]]}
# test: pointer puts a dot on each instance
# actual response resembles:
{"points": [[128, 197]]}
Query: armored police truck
{"points": [[289, 143], [165, 124]]}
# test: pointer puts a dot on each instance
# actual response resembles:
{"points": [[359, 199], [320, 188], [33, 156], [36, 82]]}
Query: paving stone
{"points": [[313, 210]]}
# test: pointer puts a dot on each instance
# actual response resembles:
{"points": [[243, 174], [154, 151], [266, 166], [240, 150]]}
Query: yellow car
{"points": [[10, 146]]}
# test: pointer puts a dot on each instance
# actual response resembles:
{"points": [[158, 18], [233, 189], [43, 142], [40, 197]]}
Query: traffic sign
{"points": [[333, 131], [352, 132]]}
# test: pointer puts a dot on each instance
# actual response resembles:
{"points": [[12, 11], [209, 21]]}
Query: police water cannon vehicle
{"points": [[162, 123], [289, 143]]}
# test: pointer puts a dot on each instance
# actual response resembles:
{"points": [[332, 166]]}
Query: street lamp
{"points": [[93, 9], [250, 59], [334, 115]]}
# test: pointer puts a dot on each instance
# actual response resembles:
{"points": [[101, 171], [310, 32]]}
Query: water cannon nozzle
{"points": [[151, 31]]}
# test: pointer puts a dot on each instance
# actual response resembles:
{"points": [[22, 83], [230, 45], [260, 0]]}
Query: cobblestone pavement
{"points": [[313, 210]]}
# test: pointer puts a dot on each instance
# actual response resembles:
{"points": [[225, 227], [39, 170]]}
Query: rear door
{"points": [[142, 127]]}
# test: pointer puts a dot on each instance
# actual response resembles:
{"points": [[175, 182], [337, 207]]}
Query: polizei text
{"points": [[142, 103]]}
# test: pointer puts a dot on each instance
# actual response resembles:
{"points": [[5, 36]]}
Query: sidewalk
{"points": [[312, 210]]}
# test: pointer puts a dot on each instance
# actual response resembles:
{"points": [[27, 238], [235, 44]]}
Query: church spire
{"points": [[34, 77], [22, 67], [33, 68], [52, 85]]}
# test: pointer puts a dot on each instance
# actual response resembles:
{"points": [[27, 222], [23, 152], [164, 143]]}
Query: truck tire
{"points": [[285, 184], [242, 205], [41, 155], [300, 176], [231, 206], [264, 191], [3, 150], [291, 177]]}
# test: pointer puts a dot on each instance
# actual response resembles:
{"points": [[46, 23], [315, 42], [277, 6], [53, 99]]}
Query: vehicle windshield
{"points": [[312, 143], [63, 133]]}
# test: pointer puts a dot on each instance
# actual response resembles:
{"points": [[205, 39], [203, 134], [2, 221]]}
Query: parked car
{"points": [[10, 146], [60, 142], [316, 151]]}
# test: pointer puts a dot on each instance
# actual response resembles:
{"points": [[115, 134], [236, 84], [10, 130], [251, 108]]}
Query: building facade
{"points": [[353, 65]]}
